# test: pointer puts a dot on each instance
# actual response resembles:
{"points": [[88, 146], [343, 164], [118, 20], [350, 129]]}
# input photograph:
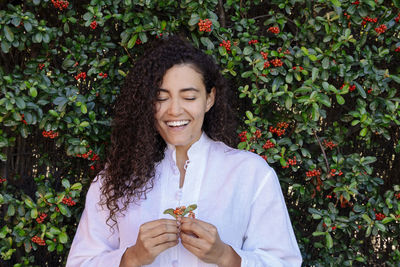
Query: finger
{"points": [[162, 229], [193, 249], [164, 238], [205, 225], [155, 223], [193, 241], [160, 248], [194, 227]]}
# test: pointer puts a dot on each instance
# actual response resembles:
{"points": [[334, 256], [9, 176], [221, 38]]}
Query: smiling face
{"points": [[181, 104]]}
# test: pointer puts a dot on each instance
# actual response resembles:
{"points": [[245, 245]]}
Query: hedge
{"points": [[319, 86]]}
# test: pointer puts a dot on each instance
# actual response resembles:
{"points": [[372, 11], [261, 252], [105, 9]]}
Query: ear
{"points": [[210, 99]]}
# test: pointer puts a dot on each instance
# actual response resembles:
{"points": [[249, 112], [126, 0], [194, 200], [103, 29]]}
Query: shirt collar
{"points": [[198, 148]]}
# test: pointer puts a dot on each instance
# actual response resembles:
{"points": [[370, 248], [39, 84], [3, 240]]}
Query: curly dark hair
{"points": [[136, 145]]}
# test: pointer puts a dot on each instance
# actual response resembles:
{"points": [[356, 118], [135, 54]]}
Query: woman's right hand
{"points": [[154, 237]]}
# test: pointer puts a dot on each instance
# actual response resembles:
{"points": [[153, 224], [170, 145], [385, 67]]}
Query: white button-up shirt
{"points": [[234, 190]]}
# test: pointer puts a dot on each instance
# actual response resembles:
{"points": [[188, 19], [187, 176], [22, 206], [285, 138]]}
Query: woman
{"points": [[171, 125]]}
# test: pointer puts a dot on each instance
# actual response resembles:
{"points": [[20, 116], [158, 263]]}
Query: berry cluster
{"points": [[38, 240], [351, 87], [50, 134], [264, 157], [276, 62], [93, 25], [329, 144], [280, 128], [356, 3], [329, 196], [396, 195], [81, 75], [243, 136], [76, 64], [138, 41], [257, 134], [104, 75], [68, 201], [397, 49], [23, 120], [41, 66], [88, 154], [333, 172], [346, 15], [290, 162], [299, 68], [264, 55], [268, 145], [369, 90], [274, 30], [60, 4], [253, 42], [368, 19], [397, 19], [333, 228], [41, 217], [379, 216], [2, 180], [179, 210], [226, 44], [266, 64], [313, 173], [381, 29], [205, 25]]}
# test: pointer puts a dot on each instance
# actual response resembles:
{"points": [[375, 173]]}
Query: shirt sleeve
{"points": [[95, 244], [269, 238]]}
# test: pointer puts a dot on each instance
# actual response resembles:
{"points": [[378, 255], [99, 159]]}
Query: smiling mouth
{"points": [[177, 123]]}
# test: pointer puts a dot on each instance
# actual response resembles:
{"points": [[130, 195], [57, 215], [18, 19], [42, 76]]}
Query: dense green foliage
{"points": [[319, 83]]}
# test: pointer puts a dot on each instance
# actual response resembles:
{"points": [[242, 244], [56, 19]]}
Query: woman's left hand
{"points": [[202, 239]]}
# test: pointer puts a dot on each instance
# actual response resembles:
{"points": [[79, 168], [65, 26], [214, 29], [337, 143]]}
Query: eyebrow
{"points": [[181, 90]]}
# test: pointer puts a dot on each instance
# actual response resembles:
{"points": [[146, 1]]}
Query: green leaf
{"points": [[340, 99], [9, 34], [65, 183], [5, 46], [132, 41], [83, 109], [33, 92], [363, 132], [20, 102], [329, 241], [325, 63], [314, 74], [247, 50], [10, 210], [170, 212], [53, 113], [289, 78], [63, 237], [76, 186], [27, 26], [194, 19], [324, 99], [336, 2], [395, 78], [34, 213], [84, 124]]}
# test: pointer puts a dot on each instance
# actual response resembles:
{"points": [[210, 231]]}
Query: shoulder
{"points": [[239, 157]]}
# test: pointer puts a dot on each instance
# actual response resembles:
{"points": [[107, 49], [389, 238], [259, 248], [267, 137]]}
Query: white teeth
{"points": [[177, 123]]}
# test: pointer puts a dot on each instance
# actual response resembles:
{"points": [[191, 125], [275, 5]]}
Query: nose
{"points": [[175, 107]]}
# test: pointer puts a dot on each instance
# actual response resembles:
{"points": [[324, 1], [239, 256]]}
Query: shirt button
{"points": [[178, 195], [175, 263]]}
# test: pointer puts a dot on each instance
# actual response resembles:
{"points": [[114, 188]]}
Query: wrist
{"points": [[129, 258], [229, 258]]}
